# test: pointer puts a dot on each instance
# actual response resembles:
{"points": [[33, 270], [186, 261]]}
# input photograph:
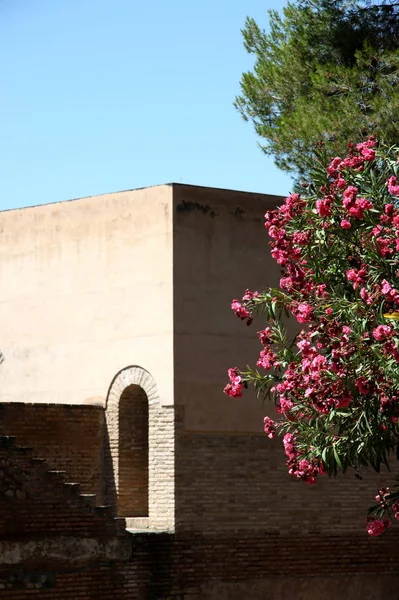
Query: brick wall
{"points": [[261, 566], [240, 482], [162, 465], [244, 529], [69, 437], [124, 413], [37, 501], [258, 566], [54, 541]]}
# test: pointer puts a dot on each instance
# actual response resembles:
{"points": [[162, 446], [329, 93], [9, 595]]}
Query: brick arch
{"points": [[130, 384], [133, 375], [131, 394]]}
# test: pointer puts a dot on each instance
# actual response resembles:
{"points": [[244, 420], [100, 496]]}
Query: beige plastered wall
{"points": [[220, 248], [86, 290]]}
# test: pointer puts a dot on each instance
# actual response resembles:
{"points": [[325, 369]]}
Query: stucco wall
{"points": [[86, 289], [140, 277], [220, 248]]}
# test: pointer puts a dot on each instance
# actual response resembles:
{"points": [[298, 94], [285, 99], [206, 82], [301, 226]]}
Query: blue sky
{"points": [[100, 96]]}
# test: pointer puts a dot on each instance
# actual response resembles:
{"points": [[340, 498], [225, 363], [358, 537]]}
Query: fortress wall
{"points": [[220, 248], [70, 438], [86, 290], [239, 482]]}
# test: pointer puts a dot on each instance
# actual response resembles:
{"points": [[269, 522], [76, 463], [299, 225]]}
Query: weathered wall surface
{"points": [[86, 290], [230, 482], [38, 503], [260, 566], [70, 438], [223, 567], [220, 248], [106, 287], [51, 535]]}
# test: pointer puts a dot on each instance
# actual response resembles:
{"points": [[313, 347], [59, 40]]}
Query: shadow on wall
{"points": [[132, 493], [109, 492]]}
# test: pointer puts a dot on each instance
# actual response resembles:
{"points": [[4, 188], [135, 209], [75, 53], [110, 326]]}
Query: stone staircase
{"points": [[23, 476]]}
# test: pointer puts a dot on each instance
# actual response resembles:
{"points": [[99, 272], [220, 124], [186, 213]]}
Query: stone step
{"points": [[88, 499], [72, 487], [137, 522], [103, 508], [58, 475]]}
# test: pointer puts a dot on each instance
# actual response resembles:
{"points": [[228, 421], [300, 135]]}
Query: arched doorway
{"points": [[139, 452], [132, 496]]}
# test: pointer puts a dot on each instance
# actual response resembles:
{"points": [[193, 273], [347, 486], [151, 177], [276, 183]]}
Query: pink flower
{"points": [[363, 385], [357, 208], [304, 347], [345, 224], [334, 166], [343, 401], [353, 162], [268, 359], [323, 207], [356, 276], [377, 230], [366, 149], [385, 246], [265, 336], [235, 387], [377, 526], [285, 404], [349, 195], [301, 237], [395, 510], [366, 297], [241, 312], [382, 333], [304, 313], [393, 188], [289, 448], [389, 209], [269, 427], [390, 293], [391, 350], [249, 295]]}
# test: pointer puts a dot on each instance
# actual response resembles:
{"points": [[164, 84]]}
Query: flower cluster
{"points": [[335, 386], [299, 466], [235, 387]]}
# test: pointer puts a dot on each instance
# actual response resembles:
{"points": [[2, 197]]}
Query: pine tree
{"points": [[326, 73]]}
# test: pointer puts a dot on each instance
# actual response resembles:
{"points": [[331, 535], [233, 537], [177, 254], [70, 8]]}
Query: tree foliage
{"points": [[335, 385], [327, 71]]}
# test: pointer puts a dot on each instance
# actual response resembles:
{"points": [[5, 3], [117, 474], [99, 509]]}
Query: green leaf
{"points": [[336, 456]]}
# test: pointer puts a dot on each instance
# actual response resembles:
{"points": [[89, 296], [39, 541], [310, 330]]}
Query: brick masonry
{"points": [[70, 438], [161, 442], [225, 567], [238, 525], [227, 481]]}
